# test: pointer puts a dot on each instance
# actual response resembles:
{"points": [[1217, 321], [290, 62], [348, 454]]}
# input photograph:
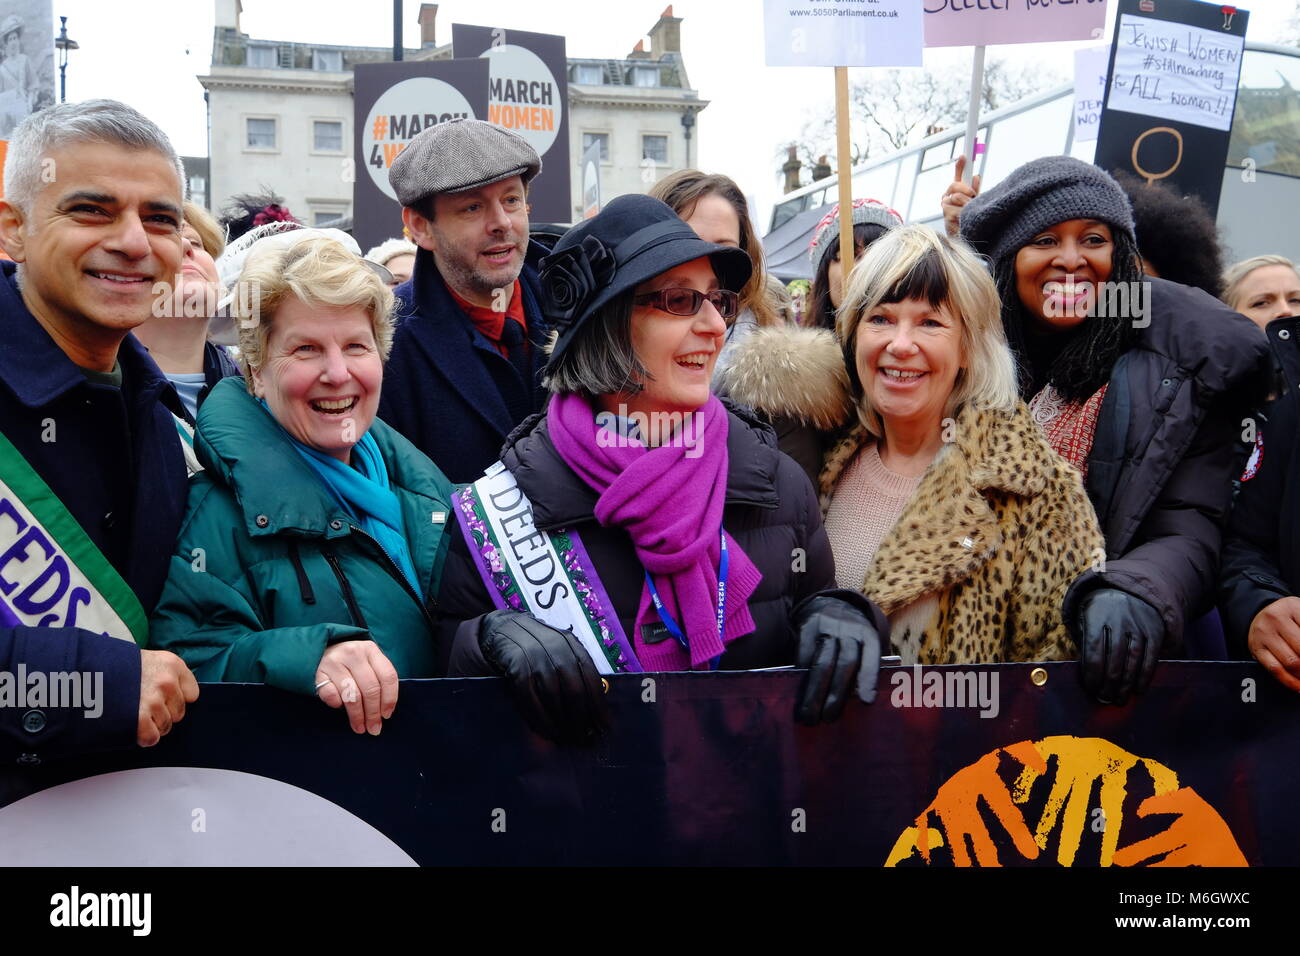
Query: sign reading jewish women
{"points": [[842, 32], [393, 103], [528, 94], [1089, 90], [986, 22], [1174, 68]]}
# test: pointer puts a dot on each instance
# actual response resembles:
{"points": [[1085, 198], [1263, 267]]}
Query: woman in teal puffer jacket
{"points": [[314, 539]]}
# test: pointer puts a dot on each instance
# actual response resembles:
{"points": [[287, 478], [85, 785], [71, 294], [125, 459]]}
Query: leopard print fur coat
{"points": [[998, 529]]}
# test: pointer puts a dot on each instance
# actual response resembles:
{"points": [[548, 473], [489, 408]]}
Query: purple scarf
{"points": [[671, 505]]}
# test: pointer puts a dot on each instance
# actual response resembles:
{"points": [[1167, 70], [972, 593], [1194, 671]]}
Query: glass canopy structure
{"points": [[1259, 210]]}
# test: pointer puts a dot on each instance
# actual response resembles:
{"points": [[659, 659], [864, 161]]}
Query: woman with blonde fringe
{"points": [[945, 505], [320, 528]]}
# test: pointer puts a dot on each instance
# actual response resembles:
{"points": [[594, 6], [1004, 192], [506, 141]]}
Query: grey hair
{"points": [[92, 121], [600, 360]]}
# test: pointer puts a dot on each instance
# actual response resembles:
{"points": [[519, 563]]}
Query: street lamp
{"points": [[688, 120], [63, 44]]}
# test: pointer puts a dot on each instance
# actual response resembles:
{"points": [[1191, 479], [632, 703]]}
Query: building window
{"points": [[327, 136], [262, 56], [199, 189], [323, 217], [602, 138], [261, 134], [589, 74], [645, 76], [655, 147], [327, 60]]}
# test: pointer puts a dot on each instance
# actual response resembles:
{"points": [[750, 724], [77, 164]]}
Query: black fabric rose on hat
{"points": [[572, 278]]}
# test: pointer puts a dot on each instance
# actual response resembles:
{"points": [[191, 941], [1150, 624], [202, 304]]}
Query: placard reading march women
{"points": [[986, 22], [842, 32], [1176, 72], [528, 94]]}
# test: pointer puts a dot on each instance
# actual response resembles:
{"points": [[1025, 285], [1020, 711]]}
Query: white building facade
{"points": [[280, 115]]}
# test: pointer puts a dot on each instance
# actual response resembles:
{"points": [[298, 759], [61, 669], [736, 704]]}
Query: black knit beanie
{"points": [[1037, 196]]}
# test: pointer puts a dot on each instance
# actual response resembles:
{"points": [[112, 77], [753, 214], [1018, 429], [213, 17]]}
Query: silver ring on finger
{"points": [[324, 682]]}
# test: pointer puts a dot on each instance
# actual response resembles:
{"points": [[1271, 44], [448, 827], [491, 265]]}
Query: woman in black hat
{"points": [[639, 524], [1141, 384]]}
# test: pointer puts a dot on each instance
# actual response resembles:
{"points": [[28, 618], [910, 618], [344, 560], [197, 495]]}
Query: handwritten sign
{"points": [[1090, 67], [1176, 72], [987, 22], [842, 32]]}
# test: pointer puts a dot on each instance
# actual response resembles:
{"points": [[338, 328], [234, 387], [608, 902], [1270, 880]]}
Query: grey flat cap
{"points": [[457, 155]]}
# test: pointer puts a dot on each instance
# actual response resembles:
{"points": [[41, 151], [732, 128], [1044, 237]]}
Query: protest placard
{"points": [[591, 180], [1089, 90], [528, 94], [1172, 93], [1176, 71], [988, 22], [842, 32], [393, 103]]}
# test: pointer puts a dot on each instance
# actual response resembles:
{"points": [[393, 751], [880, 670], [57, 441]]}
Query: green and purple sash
{"points": [[51, 573], [547, 574]]}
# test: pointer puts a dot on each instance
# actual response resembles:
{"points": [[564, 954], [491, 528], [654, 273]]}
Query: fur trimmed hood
{"points": [[789, 371]]}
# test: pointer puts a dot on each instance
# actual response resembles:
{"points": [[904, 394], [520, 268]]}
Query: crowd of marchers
{"points": [[1057, 430]]}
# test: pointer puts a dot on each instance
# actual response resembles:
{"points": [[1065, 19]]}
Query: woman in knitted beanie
{"points": [[871, 220], [1141, 384]]}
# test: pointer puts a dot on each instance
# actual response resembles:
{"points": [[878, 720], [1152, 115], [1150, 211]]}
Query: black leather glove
{"points": [[839, 644], [1119, 638], [552, 678]]}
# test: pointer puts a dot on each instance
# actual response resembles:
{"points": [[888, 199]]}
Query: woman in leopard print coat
{"points": [[945, 504]]}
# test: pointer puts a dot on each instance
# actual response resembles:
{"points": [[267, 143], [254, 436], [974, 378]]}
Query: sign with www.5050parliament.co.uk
{"points": [[394, 103], [528, 94]]}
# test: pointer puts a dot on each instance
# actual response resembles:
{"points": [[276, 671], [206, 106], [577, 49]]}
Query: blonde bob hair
{"points": [[915, 262], [210, 232], [318, 271], [1236, 274]]}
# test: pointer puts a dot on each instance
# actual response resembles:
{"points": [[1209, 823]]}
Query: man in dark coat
{"points": [[1260, 578], [86, 415], [467, 355]]}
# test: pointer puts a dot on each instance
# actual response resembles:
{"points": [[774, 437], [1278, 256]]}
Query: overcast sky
{"points": [[148, 52]]}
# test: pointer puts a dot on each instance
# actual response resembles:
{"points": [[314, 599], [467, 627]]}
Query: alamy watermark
{"points": [[624, 428], [1125, 300], [915, 687], [74, 690]]}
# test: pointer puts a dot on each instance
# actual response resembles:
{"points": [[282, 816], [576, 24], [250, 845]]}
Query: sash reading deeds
{"points": [[51, 573], [549, 575]]}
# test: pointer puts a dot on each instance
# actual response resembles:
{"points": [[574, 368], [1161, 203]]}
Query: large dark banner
{"points": [[393, 102], [977, 766], [1171, 93], [528, 94]]}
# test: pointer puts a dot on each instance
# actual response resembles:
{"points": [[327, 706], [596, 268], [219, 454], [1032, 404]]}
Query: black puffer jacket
{"points": [[771, 512], [1166, 449], [1261, 554]]}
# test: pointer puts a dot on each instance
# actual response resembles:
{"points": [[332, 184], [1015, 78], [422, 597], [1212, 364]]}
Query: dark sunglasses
{"points": [[688, 301]]}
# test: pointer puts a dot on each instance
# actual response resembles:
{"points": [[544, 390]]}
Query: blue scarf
{"points": [[366, 494]]}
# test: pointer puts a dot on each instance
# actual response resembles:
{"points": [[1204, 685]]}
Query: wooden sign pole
{"points": [[973, 114], [844, 160]]}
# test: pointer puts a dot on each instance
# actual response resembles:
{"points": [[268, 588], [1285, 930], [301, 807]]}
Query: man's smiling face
{"points": [[96, 239]]}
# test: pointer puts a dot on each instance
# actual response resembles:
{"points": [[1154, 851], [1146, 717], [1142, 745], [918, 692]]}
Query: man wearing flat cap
{"points": [[467, 354]]}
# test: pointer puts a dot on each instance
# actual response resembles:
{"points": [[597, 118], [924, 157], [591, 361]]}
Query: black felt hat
{"points": [[630, 241]]}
